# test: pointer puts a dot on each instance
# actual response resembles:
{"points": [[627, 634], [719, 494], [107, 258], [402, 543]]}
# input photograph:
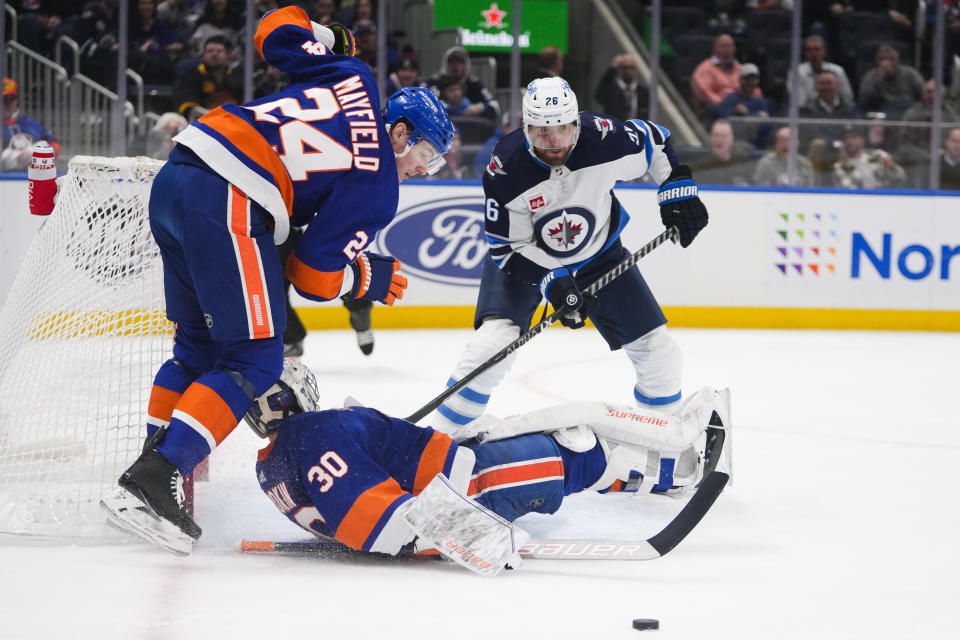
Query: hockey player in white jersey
{"points": [[553, 224]]}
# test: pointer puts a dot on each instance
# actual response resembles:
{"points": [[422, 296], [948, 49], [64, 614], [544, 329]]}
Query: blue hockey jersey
{"points": [[344, 473], [540, 218], [315, 153]]}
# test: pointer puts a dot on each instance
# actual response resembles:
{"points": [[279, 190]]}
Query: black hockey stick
{"points": [[570, 549], [670, 234]]}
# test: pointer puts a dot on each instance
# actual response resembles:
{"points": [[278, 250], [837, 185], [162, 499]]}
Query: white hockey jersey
{"points": [[540, 218]]}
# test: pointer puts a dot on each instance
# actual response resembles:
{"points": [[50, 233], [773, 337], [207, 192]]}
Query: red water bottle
{"points": [[42, 179]]}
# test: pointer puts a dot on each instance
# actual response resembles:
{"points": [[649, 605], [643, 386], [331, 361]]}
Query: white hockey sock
{"points": [[657, 360], [470, 402]]}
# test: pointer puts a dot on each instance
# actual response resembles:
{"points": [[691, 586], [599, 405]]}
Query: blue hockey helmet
{"points": [[427, 117]]}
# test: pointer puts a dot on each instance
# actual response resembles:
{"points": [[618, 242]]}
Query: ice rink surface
{"points": [[843, 520]]}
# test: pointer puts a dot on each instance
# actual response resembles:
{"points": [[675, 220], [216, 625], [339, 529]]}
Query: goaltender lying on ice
{"points": [[371, 482]]}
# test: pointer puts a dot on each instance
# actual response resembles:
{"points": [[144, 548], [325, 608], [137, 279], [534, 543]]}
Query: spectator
{"points": [[456, 63], [862, 168], [716, 76], [772, 167], [950, 161], [620, 93], [95, 29], [890, 87], [180, 16], [321, 11], [20, 132], [160, 138], [153, 47], [455, 168], [352, 15], [366, 35], [219, 18], [746, 99], [922, 111], [729, 160], [823, 140], [827, 103], [815, 53], [406, 75], [456, 104], [38, 23], [209, 84], [551, 62]]}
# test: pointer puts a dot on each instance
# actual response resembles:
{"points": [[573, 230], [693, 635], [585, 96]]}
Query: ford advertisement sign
{"points": [[439, 240]]}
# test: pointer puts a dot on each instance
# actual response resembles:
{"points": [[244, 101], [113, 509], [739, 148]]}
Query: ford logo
{"points": [[439, 240]]}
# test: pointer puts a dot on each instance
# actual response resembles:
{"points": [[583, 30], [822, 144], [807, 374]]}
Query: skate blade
{"points": [[133, 517]]}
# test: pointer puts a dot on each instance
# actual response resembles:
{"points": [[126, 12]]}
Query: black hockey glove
{"points": [[343, 41], [375, 278], [680, 206], [560, 288]]}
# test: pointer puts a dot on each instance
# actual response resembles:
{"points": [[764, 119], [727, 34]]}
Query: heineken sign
{"points": [[488, 26]]}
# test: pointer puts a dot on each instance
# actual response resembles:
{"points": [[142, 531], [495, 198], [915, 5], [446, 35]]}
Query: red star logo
{"points": [[565, 233], [494, 16]]}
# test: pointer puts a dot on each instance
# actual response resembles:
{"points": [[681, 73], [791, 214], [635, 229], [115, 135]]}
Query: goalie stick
{"points": [[670, 234], [570, 549]]}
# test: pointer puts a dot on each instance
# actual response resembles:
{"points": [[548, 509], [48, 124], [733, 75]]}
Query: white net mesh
{"points": [[82, 334]]}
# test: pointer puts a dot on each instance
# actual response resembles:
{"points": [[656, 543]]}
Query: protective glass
{"points": [[558, 136], [426, 155]]}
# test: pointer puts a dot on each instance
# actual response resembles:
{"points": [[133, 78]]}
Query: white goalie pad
{"points": [[463, 530], [622, 423]]}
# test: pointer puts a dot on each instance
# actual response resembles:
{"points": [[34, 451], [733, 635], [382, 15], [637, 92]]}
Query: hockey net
{"points": [[82, 334]]}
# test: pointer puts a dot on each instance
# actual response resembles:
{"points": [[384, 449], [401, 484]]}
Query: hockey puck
{"points": [[646, 624]]}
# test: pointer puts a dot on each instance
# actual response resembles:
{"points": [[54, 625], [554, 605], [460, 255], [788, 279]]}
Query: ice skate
{"points": [[147, 504], [360, 321]]}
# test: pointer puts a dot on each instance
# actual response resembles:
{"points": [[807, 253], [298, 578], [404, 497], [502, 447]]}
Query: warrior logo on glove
{"points": [[680, 205]]}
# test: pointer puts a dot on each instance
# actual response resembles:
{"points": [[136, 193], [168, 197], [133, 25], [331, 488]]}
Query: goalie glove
{"points": [[560, 288], [375, 278], [680, 205]]}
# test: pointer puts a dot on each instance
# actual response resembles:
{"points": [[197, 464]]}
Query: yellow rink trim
{"points": [[98, 324], [410, 317]]}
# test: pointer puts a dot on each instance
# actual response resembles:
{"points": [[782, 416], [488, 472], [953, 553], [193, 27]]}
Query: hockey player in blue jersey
{"points": [[553, 224], [374, 483], [319, 153]]}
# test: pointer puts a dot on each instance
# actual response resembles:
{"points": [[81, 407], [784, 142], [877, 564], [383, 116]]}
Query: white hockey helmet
{"points": [[548, 105], [295, 392]]}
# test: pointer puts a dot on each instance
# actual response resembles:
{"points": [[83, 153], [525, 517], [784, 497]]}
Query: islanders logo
{"points": [[439, 240]]}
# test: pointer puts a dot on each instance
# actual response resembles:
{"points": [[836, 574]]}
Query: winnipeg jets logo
{"points": [[495, 167], [565, 232], [604, 126]]}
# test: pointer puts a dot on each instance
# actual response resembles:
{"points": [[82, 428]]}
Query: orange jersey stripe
{"points": [[162, 402], [205, 405], [510, 475], [366, 512], [323, 284], [248, 255], [243, 136], [288, 15], [432, 460]]}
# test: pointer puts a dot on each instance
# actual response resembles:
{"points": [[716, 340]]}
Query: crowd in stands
{"points": [[733, 57], [726, 56]]}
